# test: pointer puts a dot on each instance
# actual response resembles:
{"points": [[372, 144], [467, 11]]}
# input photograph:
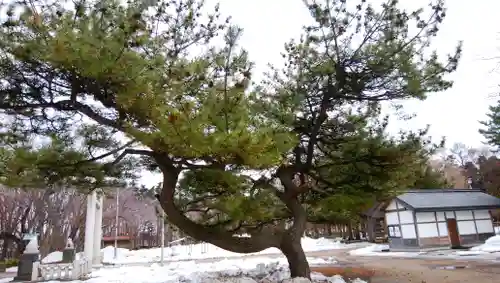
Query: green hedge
{"points": [[10, 262]]}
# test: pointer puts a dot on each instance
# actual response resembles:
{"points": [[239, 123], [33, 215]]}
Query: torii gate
{"points": [[93, 227]]}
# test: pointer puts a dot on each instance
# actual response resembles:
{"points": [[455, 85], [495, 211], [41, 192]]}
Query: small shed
{"points": [[439, 218]]}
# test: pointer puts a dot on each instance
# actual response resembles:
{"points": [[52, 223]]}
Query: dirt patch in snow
{"points": [[345, 271]]}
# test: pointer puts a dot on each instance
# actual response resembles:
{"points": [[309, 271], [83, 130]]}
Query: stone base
{"points": [[25, 267]]}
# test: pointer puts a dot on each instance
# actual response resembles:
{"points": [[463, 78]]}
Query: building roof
{"points": [[375, 211], [444, 199]]}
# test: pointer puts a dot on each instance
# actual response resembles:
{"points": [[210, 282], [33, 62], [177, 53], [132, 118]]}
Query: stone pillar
{"points": [[25, 267], [98, 230], [69, 254], [89, 226]]}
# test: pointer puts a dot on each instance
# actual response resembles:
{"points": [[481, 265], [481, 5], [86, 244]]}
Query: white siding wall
{"points": [[464, 215], [484, 226], [466, 227], [433, 224], [406, 216], [400, 221], [450, 215], [482, 214], [408, 231], [469, 222], [427, 230], [443, 229], [425, 217], [484, 222], [440, 216], [392, 205], [392, 218]]}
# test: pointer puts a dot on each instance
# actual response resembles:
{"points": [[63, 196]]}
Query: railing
{"points": [[78, 269], [187, 245]]}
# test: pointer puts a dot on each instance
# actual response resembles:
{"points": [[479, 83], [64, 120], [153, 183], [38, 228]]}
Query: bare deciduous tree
{"points": [[57, 215]]}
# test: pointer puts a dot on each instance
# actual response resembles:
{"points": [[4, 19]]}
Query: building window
{"points": [[394, 231]]}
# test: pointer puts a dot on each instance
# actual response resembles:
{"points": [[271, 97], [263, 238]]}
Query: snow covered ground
{"points": [[490, 250], [141, 266], [274, 270], [204, 250], [219, 271], [260, 268], [490, 246]]}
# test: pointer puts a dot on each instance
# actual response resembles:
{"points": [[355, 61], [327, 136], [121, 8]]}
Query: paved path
{"points": [[422, 270], [414, 270], [4, 275], [390, 270]]}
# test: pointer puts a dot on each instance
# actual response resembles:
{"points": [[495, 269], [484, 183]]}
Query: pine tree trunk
{"points": [[297, 261], [349, 227], [289, 241], [316, 231], [357, 235]]}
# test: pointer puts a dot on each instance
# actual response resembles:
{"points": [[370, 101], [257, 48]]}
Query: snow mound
{"points": [[53, 257], [324, 242], [204, 251], [370, 250], [242, 270], [109, 253], [491, 245], [495, 241], [57, 256]]}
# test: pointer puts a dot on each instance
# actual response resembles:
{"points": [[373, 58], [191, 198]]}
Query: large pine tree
{"points": [[155, 75]]}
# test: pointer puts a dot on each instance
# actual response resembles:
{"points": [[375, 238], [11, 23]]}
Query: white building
{"points": [[439, 218]]}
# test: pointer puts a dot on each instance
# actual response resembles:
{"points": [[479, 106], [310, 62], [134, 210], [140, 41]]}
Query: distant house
{"points": [[138, 221], [439, 218]]}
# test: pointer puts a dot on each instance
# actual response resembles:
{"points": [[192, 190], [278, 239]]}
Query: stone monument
{"points": [[69, 254], [31, 254]]}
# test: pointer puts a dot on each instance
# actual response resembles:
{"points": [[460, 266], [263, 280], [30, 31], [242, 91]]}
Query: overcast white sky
{"points": [[454, 114]]}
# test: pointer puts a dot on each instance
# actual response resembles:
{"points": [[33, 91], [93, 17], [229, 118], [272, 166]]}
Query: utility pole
{"points": [[116, 222], [162, 239]]}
